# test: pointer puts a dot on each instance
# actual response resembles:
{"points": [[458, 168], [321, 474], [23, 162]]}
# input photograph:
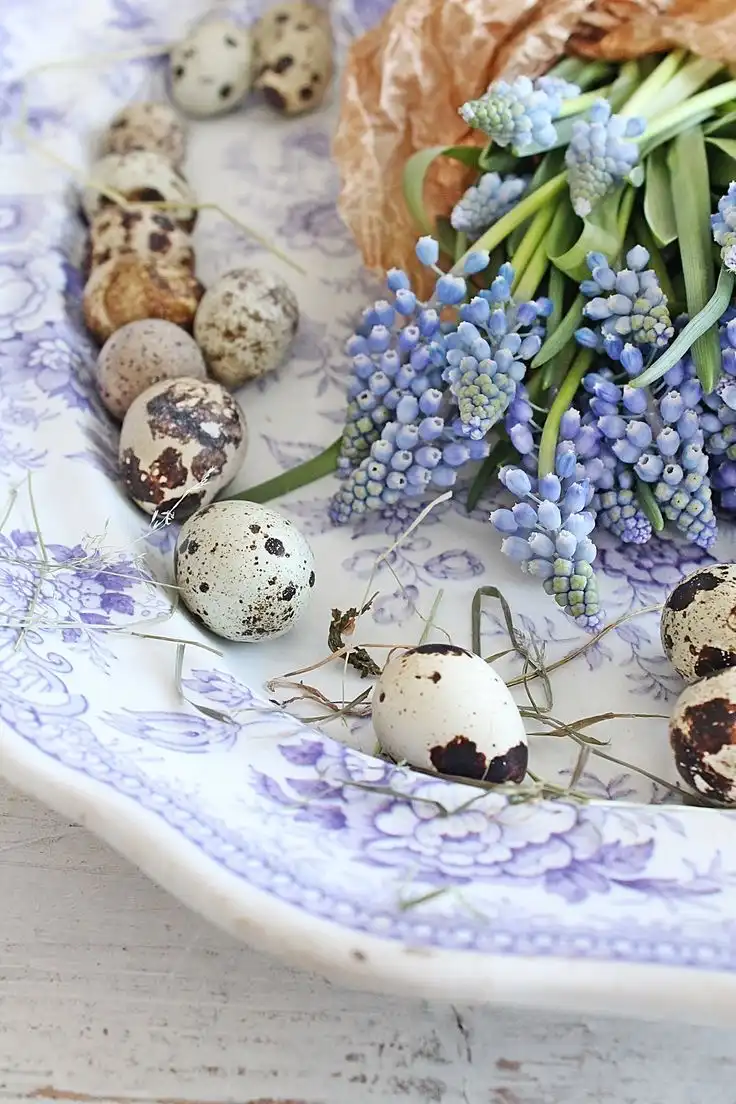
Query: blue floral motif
{"points": [[316, 225]]}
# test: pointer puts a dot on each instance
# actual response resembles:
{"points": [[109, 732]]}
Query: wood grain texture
{"points": [[111, 992]]}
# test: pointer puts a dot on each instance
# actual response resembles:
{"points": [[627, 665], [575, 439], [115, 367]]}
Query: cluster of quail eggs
{"points": [[171, 352], [698, 631]]}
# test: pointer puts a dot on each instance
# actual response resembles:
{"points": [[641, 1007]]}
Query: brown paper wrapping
{"points": [[407, 77]]}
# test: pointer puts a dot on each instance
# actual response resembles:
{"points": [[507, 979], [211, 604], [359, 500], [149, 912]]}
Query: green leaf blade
{"points": [[415, 174], [659, 210]]}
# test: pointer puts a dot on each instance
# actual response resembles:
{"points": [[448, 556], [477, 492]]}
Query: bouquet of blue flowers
{"points": [[579, 344]]}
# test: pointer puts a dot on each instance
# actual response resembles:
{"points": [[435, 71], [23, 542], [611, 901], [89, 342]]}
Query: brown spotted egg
{"points": [[703, 735], [147, 126], [141, 176], [245, 324], [243, 570], [698, 626], [176, 435], [152, 235], [139, 355], [127, 288], [444, 709]]}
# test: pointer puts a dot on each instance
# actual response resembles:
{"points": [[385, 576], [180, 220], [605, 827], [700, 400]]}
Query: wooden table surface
{"points": [[112, 991]]}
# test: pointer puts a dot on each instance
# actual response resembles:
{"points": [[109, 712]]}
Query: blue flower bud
{"points": [[550, 487], [565, 544], [516, 481], [541, 545], [397, 279], [476, 261], [525, 516], [549, 515], [649, 467], [632, 360], [517, 549], [476, 311], [427, 250], [504, 521], [406, 301], [521, 438], [668, 441]]}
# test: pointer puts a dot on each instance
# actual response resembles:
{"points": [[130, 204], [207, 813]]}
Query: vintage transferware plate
{"points": [[287, 834]]}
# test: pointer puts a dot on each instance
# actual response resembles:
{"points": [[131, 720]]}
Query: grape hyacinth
{"points": [[599, 157], [548, 532], [724, 227], [486, 202], [407, 431], [627, 303], [487, 356], [661, 439], [520, 113], [718, 422], [617, 508]]}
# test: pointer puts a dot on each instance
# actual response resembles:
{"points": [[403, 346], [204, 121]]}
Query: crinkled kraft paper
{"points": [[407, 77]]}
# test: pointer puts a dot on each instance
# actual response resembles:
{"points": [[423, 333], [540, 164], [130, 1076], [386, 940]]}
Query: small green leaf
{"points": [[415, 172], [658, 209], [690, 186], [325, 463], [599, 234], [728, 145], [662, 137], [705, 320], [564, 333], [649, 505]]}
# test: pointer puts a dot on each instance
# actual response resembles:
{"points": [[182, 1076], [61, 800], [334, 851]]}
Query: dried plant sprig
{"points": [[343, 624]]}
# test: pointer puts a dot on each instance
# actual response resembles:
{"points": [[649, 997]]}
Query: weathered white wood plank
{"points": [[111, 991]]}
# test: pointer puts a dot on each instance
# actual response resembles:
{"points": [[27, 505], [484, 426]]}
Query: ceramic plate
{"points": [[289, 834]]}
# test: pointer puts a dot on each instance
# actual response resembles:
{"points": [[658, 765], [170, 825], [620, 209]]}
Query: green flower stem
{"points": [[325, 463], [527, 282], [536, 232], [563, 401], [642, 101], [692, 77], [578, 104], [520, 213], [684, 112]]}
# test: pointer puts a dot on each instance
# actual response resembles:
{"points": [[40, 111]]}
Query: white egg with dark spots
{"points": [[245, 324], [139, 355], [181, 442], [703, 735], [698, 626], [244, 571], [211, 71], [444, 709]]}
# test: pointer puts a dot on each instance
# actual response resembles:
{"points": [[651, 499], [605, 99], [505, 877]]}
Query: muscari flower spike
{"points": [[599, 157], [661, 439], [520, 113], [723, 225], [486, 202], [396, 350], [718, 420], [627, 304], [547, 533], [488, 353]]}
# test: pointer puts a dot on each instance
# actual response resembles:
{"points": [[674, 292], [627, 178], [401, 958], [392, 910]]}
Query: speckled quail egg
{"points": [[243, 570], [442, 708], [211, 71], [144, 177], [147, 126], [175, 435], [127, 288], [150, 234], [698, 626], [245, 324], [703, 735], [294, 51], [139, 355]]}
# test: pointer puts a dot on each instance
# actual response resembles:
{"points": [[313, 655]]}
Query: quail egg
{"points": [[245, 324], [127, 289], [181, 439], [294, 48], [698, 626], [147, 126], [152, 235], [212, 69], [703, 735], [444, 709], [143, 177], [243, 570], [140, 354]]}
